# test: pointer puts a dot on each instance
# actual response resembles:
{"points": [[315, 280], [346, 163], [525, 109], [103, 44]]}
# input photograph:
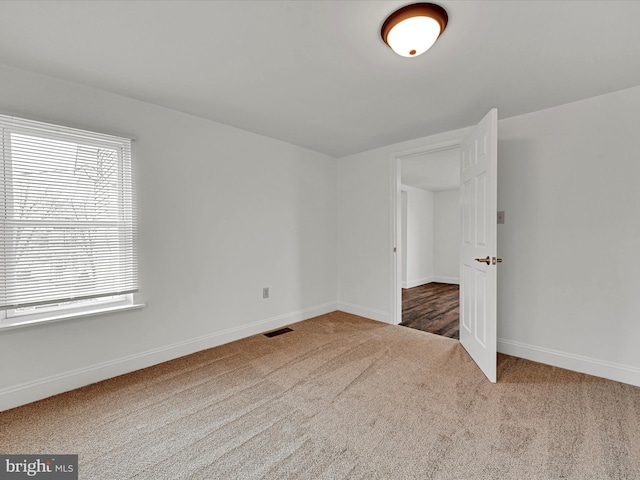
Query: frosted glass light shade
{"points": [[413, 29], [413, 36]]}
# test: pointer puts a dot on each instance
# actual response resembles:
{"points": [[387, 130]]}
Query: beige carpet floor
{"points": [[339, 397]]}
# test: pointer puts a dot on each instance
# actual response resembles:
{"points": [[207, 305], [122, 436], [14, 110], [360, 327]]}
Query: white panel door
{"points": [[478, 250]]}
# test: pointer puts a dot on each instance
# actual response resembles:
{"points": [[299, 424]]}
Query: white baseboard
{"points": [[417, 282], [45, 387], [365, 312], [450, 280], [578, 363], [425, 280]]}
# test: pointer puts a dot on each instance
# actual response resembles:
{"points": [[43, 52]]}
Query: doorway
{"points": [[478, 259], [429, 239]]}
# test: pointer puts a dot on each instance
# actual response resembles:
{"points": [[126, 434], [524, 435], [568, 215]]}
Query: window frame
{"points": [[131, 302], [84, 306]]}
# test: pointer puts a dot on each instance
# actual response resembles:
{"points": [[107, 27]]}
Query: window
{"points": [[68, 231]]}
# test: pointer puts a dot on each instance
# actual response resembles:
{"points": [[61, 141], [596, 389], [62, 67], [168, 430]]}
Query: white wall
{"points": [[222, 212], [419, 237], [446, 236], [364, 238], [568, 183]]}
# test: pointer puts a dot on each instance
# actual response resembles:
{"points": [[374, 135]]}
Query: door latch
{"points": [[489, 260]]}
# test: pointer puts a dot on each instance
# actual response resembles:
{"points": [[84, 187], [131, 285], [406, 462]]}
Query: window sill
{"points": [[9, 324]]}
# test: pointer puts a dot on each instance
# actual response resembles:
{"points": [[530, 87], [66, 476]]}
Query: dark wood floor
{"points": [[433, 308]]}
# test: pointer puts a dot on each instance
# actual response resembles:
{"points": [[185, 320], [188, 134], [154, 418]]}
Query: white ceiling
{"points": [[316, 73], [433, 171]]}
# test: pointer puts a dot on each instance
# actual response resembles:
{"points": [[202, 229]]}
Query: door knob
{"points": [[495, 260], [485, 260]]}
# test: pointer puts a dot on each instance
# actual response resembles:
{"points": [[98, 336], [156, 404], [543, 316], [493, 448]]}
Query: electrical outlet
{"points": [[265, 292]]}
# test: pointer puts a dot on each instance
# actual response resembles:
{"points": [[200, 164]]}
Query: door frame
{"points": [[396, 215]]}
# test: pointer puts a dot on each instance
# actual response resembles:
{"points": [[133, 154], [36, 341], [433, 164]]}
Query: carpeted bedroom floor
{"points": [[339, 397]]}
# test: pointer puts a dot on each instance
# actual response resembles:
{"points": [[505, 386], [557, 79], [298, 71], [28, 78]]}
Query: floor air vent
{"points": [[275, 333]]}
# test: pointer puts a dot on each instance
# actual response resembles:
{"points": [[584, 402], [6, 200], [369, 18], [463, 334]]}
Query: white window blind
{"points": [[67, 216]]}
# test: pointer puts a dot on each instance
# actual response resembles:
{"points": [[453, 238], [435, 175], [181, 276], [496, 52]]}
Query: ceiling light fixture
{"points": [[413, 29]]}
